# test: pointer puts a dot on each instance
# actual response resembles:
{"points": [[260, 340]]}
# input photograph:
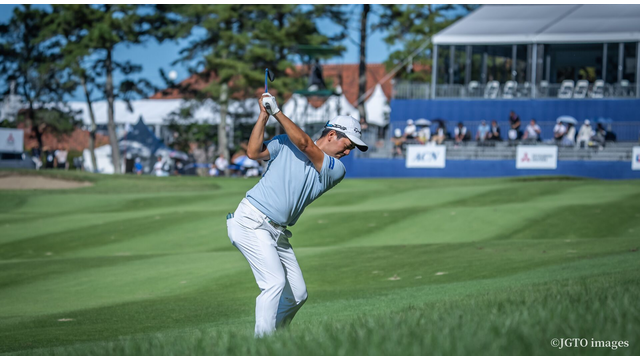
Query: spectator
{"points": [[424, 134], [213, 171], [35, 156], [49, 158], [137, 166], [398, 141], [461, 133], [494, 132], [221, 164], [514, 122], [558, 131], [179, 169], [61, 158], [600, 136], [569, 138], [483, 131], [159, 167], [584, 135], [532, 133], [410, 130], [440, 135]]}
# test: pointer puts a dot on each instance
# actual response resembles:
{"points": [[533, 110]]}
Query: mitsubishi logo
{"points": [[525, 158], [10, 139]]}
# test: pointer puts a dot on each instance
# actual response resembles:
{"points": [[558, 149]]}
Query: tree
{"points": [[100, 30], [362, 68], [69, 23], [412, 26], [240, 41], [32, 65]]}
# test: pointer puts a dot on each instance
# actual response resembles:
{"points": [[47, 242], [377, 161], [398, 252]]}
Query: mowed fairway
{"points": [[143, 266]]}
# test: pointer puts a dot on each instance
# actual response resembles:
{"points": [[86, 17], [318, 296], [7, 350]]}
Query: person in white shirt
{"points": [[410, 130], [532, 132], [585, 134], [424, 134], [158, 168], [460, 133], [221, 164], [558, 131], [569, 137]]}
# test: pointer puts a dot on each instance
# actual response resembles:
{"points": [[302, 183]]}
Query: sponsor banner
{"points": [[11, 140], [426, 156], [635, 160], [536, 157]]}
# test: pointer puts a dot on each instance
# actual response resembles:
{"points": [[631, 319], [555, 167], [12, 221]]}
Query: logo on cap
{"points": [[336, 126]]}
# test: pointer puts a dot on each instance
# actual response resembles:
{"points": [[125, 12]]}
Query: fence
{"points": [[414, 90]]}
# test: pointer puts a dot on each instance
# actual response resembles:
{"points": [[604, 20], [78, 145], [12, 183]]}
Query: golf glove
{"points": [[270, 104]]}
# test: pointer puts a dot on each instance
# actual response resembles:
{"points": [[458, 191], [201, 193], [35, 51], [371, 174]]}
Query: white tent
{"points": [[377, 108], [544, 24], [298, 109], [103, 159]]}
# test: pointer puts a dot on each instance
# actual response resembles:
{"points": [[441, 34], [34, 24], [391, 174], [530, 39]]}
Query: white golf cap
{"points": [[586, 121], [410, 122], [350, 127]]}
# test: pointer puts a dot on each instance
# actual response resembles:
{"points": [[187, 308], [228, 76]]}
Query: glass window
{"points": [[629, 64]]}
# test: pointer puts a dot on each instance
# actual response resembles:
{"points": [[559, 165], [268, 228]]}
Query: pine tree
{"points": [[239, 42], [32, 64]]}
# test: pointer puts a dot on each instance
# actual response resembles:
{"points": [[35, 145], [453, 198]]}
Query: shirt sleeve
{"points": [[332, 172], [274, 145]]}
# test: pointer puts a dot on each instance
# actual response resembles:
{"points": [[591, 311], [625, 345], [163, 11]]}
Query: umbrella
{"points": [[134, 148], [423, 122], [568, 119], [245, 162]]}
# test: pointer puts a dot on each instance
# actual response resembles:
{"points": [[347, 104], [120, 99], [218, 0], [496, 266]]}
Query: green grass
{"points": [[143, 266]]}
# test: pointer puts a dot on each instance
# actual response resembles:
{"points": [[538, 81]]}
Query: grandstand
{"points": [[536, 51], [543, 62]]}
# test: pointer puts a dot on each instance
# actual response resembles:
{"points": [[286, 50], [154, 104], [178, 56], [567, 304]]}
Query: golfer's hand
{"points": [[269, 104]]}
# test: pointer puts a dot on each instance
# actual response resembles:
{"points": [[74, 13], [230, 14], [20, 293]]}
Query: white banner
{"points": [[635, 160], [426, 156], [536, 157], [11, 140]]}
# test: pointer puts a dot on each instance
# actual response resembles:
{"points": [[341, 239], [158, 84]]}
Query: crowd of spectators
{"points": [[565, 133]]}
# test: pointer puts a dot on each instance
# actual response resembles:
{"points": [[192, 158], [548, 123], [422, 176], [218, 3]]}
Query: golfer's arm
{"points": [[257, 150], [301, 140]]}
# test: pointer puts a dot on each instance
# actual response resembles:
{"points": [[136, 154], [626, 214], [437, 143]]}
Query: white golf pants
{"points": [[274, 266]]}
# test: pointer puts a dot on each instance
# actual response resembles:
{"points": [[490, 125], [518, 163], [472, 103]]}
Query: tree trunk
{"points": [[222, 126], [92, 133], [34, 126], [362, 69], [111, 125]]}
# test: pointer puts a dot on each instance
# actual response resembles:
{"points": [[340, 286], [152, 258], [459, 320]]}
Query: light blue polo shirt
{"points": [[291, 182]]}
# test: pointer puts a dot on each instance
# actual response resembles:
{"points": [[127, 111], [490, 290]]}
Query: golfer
{"points": [[298, 172]]}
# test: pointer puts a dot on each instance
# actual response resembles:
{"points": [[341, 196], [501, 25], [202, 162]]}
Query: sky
{"points": [[154, 56]]}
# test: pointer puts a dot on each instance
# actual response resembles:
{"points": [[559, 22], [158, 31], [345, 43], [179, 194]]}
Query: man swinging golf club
{"points": [[298, 172]]}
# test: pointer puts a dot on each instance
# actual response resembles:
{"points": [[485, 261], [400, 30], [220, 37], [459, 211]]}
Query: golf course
{"points": [[139, 265]]}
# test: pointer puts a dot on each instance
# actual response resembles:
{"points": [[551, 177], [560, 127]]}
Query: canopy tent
{"points": [[300, 111], [377, 108], [530, 24]]}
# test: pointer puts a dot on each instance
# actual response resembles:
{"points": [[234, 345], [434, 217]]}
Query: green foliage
{"points": [[31, 61], [240, 41], [411, 26]]}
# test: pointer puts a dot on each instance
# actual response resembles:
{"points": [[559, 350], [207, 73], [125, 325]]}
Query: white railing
{"points": [[415, 90]]}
